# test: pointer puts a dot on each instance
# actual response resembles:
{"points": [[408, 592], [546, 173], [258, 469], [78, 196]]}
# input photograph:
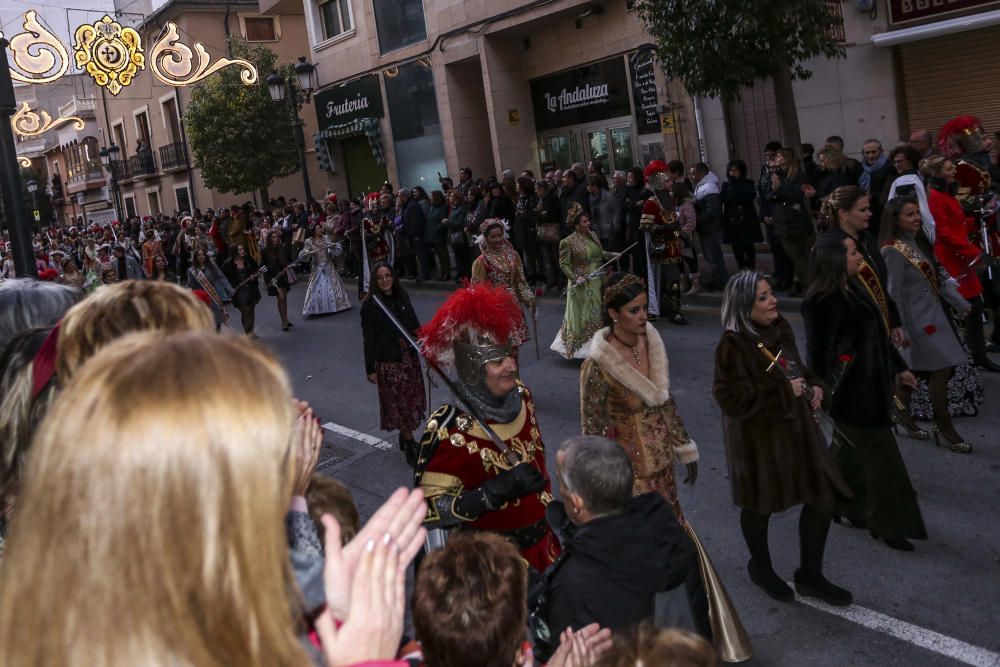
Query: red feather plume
{"points": [[955, 126], [655, 167], [471, 313]]}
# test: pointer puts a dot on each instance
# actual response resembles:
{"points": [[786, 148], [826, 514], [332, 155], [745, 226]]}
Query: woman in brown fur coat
{"points": [[776, 452]]}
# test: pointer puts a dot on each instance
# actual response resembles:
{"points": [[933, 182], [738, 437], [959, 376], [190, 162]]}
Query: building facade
{"points": [[65, 159], [909, 65], [421, 89], [155, 172]]}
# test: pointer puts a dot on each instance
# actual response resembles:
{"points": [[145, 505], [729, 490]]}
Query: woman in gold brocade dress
{"points": [[625, 396], [499, 265]]}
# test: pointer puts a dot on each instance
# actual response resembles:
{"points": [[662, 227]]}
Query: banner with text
{"points": [[905, 11], [342, 104], [582, 95]]}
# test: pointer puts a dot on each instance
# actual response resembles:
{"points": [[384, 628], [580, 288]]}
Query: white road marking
{"points": [[912, 634], [377, 443]]}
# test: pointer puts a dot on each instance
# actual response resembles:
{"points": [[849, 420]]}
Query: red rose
{"points": [[845, 358], [930, 329]]}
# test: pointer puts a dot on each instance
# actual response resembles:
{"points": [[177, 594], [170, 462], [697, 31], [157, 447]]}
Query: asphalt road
{"points": [[911, 608]]}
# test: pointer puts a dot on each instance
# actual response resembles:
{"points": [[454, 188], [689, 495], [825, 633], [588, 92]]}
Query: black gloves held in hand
{"points": [[520, 480]]}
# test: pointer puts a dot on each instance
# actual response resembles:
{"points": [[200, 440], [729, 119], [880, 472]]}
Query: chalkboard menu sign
{"points": [[582, 95], [647, 119]]}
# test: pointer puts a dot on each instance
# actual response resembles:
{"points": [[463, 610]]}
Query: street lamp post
{"points": [[109, 158], [296, 92], [10, 176], [33, 189]]}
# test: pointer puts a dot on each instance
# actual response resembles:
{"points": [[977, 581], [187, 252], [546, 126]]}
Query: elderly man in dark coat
{"points": [[625, 559]]}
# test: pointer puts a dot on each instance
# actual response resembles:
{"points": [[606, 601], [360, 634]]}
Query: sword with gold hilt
{"points": [[818, 415]]}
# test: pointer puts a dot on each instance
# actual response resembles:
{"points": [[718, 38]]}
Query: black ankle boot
{"points": [[815, 585], [769, 582], [410, 449]]}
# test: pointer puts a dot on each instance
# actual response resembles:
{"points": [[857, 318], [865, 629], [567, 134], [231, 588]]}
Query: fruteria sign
{"points": [[342, 104], [907, 11], [582, 95]]}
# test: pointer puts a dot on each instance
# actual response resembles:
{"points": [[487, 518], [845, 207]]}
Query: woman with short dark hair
{"points": [[776, 454], [849, 348]]}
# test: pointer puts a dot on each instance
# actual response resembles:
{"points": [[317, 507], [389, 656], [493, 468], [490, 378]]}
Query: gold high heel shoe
{"points": [[960, 447], [914, 431]]}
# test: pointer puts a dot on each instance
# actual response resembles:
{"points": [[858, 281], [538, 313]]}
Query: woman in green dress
{"points": [[580, 254]]}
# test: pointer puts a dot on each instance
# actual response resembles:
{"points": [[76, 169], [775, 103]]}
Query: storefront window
{"points": [[416, 129], [399, 23]]}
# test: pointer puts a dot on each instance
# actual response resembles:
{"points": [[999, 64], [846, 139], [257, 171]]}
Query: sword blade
{"points": [[448, 382]]}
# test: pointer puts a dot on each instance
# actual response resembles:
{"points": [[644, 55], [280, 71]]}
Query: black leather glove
{"points": [[520, 480]]}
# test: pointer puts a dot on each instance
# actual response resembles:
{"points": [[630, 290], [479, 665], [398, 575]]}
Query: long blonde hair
{"points": [[149, 529], [125, 307]]}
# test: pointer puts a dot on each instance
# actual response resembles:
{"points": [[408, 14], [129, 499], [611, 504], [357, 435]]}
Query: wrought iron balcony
{"points": [[142, 165], [120, 170], [173, 156]]}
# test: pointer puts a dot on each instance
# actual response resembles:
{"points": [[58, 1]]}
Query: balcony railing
{"points": [[120, 170], [173, 156], [78, 106], [141, 165], [91, 171]]}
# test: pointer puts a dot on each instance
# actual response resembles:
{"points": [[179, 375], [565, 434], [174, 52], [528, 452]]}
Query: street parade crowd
{"points": [[191, 512]]}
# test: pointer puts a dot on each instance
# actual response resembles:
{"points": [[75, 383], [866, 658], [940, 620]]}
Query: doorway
{"points": [[364, 174]]}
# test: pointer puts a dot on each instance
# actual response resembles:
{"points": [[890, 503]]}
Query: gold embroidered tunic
{"points": [[618, 402]]}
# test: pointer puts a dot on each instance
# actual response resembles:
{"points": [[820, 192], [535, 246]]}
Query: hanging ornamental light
{"points": [[110, 53], [38, 54], [28, 123]]}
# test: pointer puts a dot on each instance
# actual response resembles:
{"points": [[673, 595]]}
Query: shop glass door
{"points": [[556, 150], [597, 143], [623, 155]]}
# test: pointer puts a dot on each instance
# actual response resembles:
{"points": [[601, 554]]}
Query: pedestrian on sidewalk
{"points": [[741, 227], [793, 223], [708, 204], [776, 453]]}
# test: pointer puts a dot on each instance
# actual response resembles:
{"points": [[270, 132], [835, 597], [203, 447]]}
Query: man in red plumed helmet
{"points": [[963, 140], [470, 481], [663, 245]]}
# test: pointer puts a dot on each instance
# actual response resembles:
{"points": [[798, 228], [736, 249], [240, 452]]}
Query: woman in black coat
{"points": [[238, 270], [777, 455], [277, 257], [741, 228], [849, 348], [793, 225], [391, 363]]}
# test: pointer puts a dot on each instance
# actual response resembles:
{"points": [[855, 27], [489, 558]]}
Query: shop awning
{"points": [[937, 29], [369, 127]]}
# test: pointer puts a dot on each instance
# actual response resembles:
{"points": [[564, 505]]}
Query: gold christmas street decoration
{"points": [[28, 123], [172, 61], [109, 53], [24, 161], [37, 52]]}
